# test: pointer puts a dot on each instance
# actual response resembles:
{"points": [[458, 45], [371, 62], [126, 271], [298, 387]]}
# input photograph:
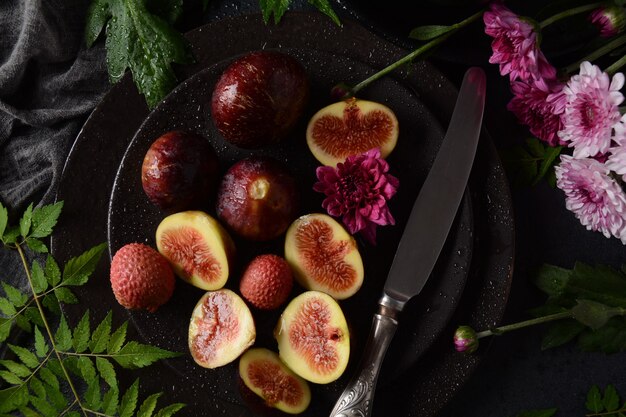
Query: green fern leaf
{"points": [[52, 271], [41, 347], [17, 297], [63, 336], [170, 410], [129, 400], [82, 333], [110, 401], [40, 284], [78, 270], [100, 336], [87, 370], [117, 339], [16, 368], [148, 406], [107, 372], [27, 357]]}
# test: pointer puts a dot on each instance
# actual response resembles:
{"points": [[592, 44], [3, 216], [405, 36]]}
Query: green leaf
{"points": [[52, 271], [51, 302], [170, 410], [38, 278], [10, 377], [610, 399], [16, 368], [13, 398], [78, 269], [148, 406], [44, 407], [100, 337], [44, 219], [29, 412], [17, 297], [80, 338], [26, 220], [6, 307], [560, 333], [11, 235], [117, 339], [426, 33], [49, 377], [37, 387], [87, 370], [601, 283], [594, 400], [610, 338], [65, 295], [27, 357], [63, 336], [34, 316], [41, 346], [325, 7], [549, 159], [273, 7], [97, 16], [23, 323], [136, 355], [110, 401], [107, 372], [527, 164], [5, 328], [36, 245], [92, 395], [129, 400], [4, 219], [551, 279], [55, 367], [55, 396], [593, 314]]}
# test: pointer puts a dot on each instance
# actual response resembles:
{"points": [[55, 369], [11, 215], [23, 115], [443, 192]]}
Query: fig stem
{"points": [[408, 58]]}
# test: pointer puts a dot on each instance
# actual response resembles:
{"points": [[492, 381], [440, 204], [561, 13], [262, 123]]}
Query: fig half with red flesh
{"points": [[179, 171], [324, 256], [259, 98], [258, 198], [351, 127], [198, 248], [221, 328], [265, 374], [313, 337]]}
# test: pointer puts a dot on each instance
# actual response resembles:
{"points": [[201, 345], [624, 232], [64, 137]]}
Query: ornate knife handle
{"points": [[356, 400]]}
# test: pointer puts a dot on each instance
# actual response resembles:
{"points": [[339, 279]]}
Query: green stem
{"points": [[603, 50], [614, 67], [531, 322], [408, 58], [68, 408], [48, 329], [97, 413], [570, 12], [606, 413]]}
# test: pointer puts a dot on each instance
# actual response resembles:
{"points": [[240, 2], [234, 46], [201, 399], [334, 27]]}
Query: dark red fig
{"points": [[259, 98]]}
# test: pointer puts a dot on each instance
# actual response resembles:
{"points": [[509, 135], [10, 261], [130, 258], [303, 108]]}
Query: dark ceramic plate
{"points": [[422, 368]]}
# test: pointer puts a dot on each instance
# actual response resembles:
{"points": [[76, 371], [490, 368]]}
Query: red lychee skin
{"points": [[266, 282], [141, 278]]}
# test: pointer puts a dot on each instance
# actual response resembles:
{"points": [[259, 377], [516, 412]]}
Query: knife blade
{"points": [[424, 236]]}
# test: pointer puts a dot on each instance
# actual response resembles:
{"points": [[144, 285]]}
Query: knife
{"points": [[425, 234]]}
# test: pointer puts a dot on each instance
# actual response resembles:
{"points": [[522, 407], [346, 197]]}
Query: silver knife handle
{"points": [[356, 400]]}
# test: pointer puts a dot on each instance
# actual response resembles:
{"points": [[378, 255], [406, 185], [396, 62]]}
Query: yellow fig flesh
{"points": [[221, 328], [351, 127], [313, 337], [324, 256], [198, 248], [264, 374]]}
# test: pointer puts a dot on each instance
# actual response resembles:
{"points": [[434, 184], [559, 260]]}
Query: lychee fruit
{"points": [[266, 282], [141, 277]]}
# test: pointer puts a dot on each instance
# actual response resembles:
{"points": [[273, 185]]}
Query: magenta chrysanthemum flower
{"points": [[539, 106], [610, 21], [515, 46], [591, 111], [593, 196], [616, 161], [357, 190]]}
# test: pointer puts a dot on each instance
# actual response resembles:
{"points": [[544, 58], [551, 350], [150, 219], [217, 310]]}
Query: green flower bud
{"points": [[465, 339]]}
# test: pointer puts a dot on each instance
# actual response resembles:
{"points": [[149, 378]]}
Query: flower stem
{"points": [[603, 50], [503, 329], [48, 329], [422, 49], [569, 12], [615, 66]]}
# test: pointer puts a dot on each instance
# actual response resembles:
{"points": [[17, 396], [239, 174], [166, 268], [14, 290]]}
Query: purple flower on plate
{"points": [[591, 110], [593, 196], [610, 21], [357, 190], [539, 106], [515, 46], [465, 340]]}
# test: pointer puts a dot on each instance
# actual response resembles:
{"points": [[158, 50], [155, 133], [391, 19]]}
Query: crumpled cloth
{"points": [[49, 83]]}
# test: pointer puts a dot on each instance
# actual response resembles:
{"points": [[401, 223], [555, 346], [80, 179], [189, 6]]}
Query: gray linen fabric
{"points": [[49, 82]]}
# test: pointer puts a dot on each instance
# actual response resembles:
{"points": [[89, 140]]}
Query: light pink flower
{"points": [[515, 47], [593, 196], [539, 106], [591, 110], [357, 190], [616, 161], [609, 20]]}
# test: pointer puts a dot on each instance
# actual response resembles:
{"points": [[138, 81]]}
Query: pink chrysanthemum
{"points": [[357, 190], [539, 106], [591, 111], [593, 196], [610, 21], [616, 161], [515, 46]]}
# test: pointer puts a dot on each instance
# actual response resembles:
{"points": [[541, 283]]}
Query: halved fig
{"points": [[264, 374], [313, 337], [198, 248], [323, 256], [351, 127], [221, 328]]}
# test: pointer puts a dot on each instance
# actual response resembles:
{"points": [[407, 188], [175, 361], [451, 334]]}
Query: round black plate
{"points": [[421, 97]]}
